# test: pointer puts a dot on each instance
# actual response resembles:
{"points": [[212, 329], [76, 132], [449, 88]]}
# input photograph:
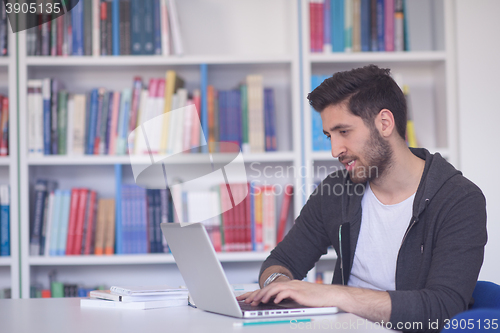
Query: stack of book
{"points": [[358, 25], [108, 27], [137, 297]]}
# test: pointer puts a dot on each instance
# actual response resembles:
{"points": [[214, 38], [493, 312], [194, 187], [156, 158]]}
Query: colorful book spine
{"points": [[4, 220]]}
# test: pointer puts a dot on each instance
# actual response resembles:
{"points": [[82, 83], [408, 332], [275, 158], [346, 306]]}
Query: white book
{"points": [[255, 113], [101, 303], [111, 296], [35, 118], [182, 95], [145, 290], [175, 28], [269, 220], [172, 124], [96, 28], [70, 120]]}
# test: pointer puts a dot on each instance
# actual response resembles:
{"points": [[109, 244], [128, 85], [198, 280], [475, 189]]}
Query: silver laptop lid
{"points": [[202, 272]]}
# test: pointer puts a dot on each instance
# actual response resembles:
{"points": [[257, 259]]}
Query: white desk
{"points": [[64, 315]]}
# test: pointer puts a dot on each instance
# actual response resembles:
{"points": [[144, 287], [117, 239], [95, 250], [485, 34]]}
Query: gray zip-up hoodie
{"points": [[440, 255]]}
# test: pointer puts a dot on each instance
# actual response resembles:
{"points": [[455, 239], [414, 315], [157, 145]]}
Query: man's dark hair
{"points": [[367, 91]]}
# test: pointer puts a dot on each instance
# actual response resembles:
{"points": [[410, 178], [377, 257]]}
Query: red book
{"points": [[80, 219], [312, 26], [60, 35], [227, 218], [70, 240], [4, 127], [89, 239], [46, 293], [285, 208], [248, 219], [389, 25]]}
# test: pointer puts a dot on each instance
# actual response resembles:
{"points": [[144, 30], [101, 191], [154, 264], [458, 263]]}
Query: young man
{"points": [[409, 230]]}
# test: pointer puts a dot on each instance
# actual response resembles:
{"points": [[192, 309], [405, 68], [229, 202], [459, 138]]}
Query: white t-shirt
{"points": [[380, 236]]}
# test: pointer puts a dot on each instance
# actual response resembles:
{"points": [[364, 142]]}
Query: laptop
{"points": [[204, 277]]}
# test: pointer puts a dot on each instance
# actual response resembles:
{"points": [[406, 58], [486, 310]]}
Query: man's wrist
{"points": [[276, 277]]}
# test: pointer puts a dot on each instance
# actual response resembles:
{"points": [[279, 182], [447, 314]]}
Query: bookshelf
{"points": [[277, 47], [9, 266], [229, 55], [428, 69]]}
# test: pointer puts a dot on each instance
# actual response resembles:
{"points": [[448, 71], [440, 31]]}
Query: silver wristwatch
{"points": [[273, 277]]}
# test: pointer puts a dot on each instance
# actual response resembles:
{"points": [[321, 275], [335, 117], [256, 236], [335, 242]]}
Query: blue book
{"points": [[270, 112], [37, 223], [63, 223], [47, 125], [77, 27], [148, 30], [380, 25], [56, 217], [108, 123], [118, 210], [365, 26], [151, 221], [158, 220], [204, 106], [136, 26], [54, 129], [94, 105], [237, 114], [337, 26], [4, 220], [157, 27], [115, 19], [142, 217], [319, 140], [222, 126]]}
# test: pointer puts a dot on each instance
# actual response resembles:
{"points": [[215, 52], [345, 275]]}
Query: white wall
{"points": [[478, 64]]}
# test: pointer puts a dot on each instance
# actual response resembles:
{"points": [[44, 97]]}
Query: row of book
{"points": [[4, 33], [320, 141], [108, 27], [76, 222], [101, 122], [4, 220], [4, 125], [358, 26], [60, 289]]}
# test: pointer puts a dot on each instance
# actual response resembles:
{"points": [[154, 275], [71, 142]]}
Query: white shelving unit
{"points": [[429, 73], [9, 266], [262, 39]]}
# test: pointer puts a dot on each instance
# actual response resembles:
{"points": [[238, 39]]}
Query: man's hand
{"points": [[305, 293]]}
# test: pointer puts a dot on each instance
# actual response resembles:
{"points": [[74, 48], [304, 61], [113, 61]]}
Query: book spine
{"points": [[148, 27], [80, 221], [374, 26], [365, 26], [100, 105], [94, 105], [53, 36], [399, 39], [389, 25], [62, 121], [46, 90], [103, 19], [116, 27], [64, 222], [4, 129], [89, 239], [88, 27], [348, 24], [77, 28], [4, 220], [165, 39], [124, 27], [380, 25], [53, 117], [96, 27], [109, 27], [118, 208], [36, 225], [56, 226], [137, 22], [71, 236], [157, 27]]}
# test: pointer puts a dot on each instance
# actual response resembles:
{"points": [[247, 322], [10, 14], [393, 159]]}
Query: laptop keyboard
{"points": [[285, 304]]}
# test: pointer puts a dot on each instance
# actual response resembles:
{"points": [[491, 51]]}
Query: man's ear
{"points": [[385, 123]]}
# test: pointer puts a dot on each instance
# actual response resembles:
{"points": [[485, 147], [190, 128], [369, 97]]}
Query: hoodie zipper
{"points": [[341, 261]]}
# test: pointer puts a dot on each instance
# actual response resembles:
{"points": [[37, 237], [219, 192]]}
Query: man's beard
{"points": [[377, 154]]}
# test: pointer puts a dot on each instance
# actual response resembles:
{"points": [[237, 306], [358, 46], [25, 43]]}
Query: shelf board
{"points": [[144, 159], [363, 57], [5, 261], [154, 60], [144, 259], [5, 160], [4, 61]]}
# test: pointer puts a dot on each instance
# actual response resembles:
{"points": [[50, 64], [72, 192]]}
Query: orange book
{"points": [[259, 245], [80, 220], [109, 234], [4, 129], [70, 240], [268, 217]]}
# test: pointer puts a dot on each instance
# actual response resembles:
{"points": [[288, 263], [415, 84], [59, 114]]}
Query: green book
{"points": [[57, 289], [244, 117], [62, 121]]}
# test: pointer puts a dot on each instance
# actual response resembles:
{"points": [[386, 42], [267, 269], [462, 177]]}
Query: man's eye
{"points": [[343, 132], [328, 137]]}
